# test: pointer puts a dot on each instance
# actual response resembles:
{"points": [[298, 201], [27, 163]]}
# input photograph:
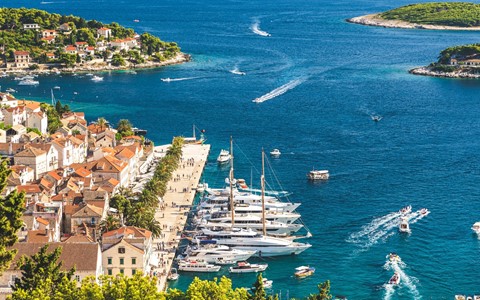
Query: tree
{"points": [[215, 290], [41, 275], [323, 292], [102, 123], [11, 209], [259, 291], [109, 223], [118, 60], [124, 127]]}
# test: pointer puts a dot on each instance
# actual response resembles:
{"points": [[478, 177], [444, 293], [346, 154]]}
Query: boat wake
{"points": [[168, 79], [279, 91], [236, 71], [256, 29], [408, 281]]}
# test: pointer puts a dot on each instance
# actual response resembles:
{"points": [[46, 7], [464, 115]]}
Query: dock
{"points": [[173, 210]]}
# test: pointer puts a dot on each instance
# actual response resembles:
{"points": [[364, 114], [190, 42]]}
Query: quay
{"points": [[173, 210]]}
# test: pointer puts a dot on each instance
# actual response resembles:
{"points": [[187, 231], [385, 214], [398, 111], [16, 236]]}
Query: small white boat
{"points": [[304, 271], [29, 82], [224, 156], [394, 258], [197, 266], [245, 267], [424, 212], [201, 187], [89, 74], [376, 118], [97, 78], [237, 72], [267, 284], [318, 175], [406, 210], [275, 153], [173, 275], [10, 90], [404, 226], [476, 228], [168, 79], [136, 20], [395, 279], [56, 87]]}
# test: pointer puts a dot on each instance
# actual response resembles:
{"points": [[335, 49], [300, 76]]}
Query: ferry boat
{"points": [[476, 228], [245, 267], [29, 82], [173, 275], [197, 266], [404, 226], [395, 279], [224, 156], [304, 271], [275, 153], [318, 175]]}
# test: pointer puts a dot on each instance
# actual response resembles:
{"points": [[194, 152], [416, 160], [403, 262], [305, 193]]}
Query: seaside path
{"points": [[173, 210]]}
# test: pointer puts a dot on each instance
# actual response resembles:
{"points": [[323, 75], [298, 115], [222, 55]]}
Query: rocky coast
{"points": [[427, 71]]}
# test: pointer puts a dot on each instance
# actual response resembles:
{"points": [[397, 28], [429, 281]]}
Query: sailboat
{"points": [[193, 139], [247, 239]]}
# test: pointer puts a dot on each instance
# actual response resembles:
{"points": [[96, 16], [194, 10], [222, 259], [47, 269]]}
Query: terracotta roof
{"points": [[103, 28], [90, 48], [48, 38], [36, 236], [21, 53], [79, 238], [44, 147], [82, 256], [30, 152], [70, 209], [46, 184], [42, 221], [20, 168], [28, 220], [55, 175], [125, 153], [132, 137], [88, 211], [29, 189], [83, 172], [80, 43], [70, 48], [50, 54], [108, 164], [128, 230]]}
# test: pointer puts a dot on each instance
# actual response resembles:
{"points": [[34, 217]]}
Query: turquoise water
{"points": [[424, 151]]}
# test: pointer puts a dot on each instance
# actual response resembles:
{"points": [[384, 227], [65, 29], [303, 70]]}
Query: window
{"points": [[109, 271], [77, 278], [122, 260], [109, 260], [134, 260], [122, 271], [121, 250], [134, 271]]}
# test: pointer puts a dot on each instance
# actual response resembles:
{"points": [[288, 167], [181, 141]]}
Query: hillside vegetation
{"points": [[462, 14]]}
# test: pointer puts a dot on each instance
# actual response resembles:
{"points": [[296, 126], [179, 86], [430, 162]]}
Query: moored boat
{"points": [[245, 267], [197, 266], [267, 284], [224, 156], [97, 78], [275, 153], [395, 279], [10, 90], [318, 175], [304, 271], [173, 275], [29, 82]]}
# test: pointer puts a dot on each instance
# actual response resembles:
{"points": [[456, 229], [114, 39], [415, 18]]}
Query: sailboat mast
{"points": [[262, 183], [194, 137], [232, 208]]}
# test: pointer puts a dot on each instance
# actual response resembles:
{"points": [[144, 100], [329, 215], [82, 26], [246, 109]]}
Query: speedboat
{"points": [[304, 271], [10, 90], [173, 275], [318, 175], [224, 156], [395, 279], [476, 228], [56, 87], [275, 153], [136, 20], [394, 258], [245, 267], [404, 226], [28, 82], [407, 209], [97, 78], [168, 79], [424, 212], [376, 118], [197, 266]]}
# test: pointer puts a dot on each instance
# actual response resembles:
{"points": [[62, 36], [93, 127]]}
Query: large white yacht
{"points": [[224, 156], [212, 253], [197, 266], [271, 203], [255, 210]]}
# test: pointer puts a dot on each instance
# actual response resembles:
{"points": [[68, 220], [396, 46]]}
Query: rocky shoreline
{"points": [[426, 71], [376, 20], [100, 66]]}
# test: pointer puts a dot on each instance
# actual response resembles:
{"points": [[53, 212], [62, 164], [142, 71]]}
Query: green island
{"points": [[32, 39], [434, 15]]}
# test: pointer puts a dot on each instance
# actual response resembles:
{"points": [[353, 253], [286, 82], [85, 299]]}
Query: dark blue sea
{"points": [[424, 152]]}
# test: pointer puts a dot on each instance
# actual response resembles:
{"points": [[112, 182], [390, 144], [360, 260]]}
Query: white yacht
{"points": [[275, 153], [404, 226], [29, 82], [265, 246], [256, 210], [97, 78], [10, 90], [318, 175], [476, 228], [197, 266], [245, 267], [213, 253], [271, 203], [224, 156]]}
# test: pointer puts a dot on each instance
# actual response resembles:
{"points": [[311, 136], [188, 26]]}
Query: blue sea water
{"points": [[424, 151]]}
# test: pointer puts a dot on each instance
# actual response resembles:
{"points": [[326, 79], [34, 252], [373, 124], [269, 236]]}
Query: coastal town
{"points": [[69, 178]]}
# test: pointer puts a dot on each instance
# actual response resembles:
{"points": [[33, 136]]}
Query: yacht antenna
{"points": [[232, 208], [262, 183]]}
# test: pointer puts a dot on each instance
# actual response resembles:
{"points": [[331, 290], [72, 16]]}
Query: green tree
{"points": [[258, 290], [323, 292], [102, 123], [109, 223], [41, 273], [118, 60], [11, 209], [124, 127], [215, 290]]}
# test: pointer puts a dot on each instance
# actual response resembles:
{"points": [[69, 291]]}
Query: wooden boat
{"points": [[304, 271]]}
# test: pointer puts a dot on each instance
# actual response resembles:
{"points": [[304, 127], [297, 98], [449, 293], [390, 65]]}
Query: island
{"points": [[38, 41], [435, 16]]}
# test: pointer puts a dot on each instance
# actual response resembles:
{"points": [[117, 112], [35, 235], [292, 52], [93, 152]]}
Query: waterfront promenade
{"points": [[173, 210]]}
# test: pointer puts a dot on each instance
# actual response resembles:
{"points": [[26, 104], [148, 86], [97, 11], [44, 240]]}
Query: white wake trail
{"points": [[371, 228], [389, 291], [256, 29], [279, 91], [168, 79], [408, 281]]}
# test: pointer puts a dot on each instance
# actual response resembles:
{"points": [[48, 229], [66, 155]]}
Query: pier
{"points": [[173, 211]]}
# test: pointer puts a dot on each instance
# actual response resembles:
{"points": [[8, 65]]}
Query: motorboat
{"points": [[212, 253], [197, 266], [255, 210], [406, 210], [476, 228], [29, 82], [304, 271], [10, 90], [242, 184], [224, 156], [97, 78], [318, 175], [275, 153], [56, 87], [394, 257], [201, 187], [168, 79], [395, 279], [404, 226], [266, 283], [221, 261], [136, 20], [173, 275], [89, 74], [245, 267], [138, 131], [424, 212], [376, 118]]}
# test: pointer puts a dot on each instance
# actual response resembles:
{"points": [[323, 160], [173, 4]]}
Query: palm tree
{"points": [[109, 223], [102, 122]]}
